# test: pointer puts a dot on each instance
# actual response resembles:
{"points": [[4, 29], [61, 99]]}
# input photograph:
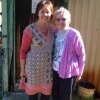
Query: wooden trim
{"points": [[5, 46]]}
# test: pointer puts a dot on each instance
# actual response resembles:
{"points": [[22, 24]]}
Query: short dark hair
{"points": [[40, 5]]}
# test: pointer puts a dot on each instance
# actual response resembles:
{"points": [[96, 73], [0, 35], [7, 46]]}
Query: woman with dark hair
{"points": [[36, 54]]}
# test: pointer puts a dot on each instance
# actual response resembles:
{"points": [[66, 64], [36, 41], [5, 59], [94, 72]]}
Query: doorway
{"points": [[23, 14]]}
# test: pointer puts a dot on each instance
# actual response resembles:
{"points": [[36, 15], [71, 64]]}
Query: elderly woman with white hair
{"points": [[68, 57]]}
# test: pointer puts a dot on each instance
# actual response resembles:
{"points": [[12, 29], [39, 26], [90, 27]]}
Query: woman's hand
{"points": [[23, 74], [78, 79]]}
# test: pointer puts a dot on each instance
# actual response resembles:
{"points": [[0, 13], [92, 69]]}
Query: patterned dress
{"points": [[39, 62]]}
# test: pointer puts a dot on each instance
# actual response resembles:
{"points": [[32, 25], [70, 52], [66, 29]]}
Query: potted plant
{"points": [[86, 89]]}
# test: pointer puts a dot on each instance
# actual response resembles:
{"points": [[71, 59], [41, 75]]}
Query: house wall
{"points": [[85, 16]]}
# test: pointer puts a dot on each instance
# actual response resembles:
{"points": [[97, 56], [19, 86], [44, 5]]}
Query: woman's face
{"points": [[61, 21], [45, 14]]}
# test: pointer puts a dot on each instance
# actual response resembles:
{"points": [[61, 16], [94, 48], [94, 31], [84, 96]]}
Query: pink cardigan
{"points": [[73, 59]]}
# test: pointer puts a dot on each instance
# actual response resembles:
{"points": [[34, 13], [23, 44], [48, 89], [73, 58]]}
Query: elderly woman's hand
{"points": [[78, 79]]}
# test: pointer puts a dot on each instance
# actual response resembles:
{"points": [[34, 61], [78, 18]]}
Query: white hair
{"points": [[63, 11]]}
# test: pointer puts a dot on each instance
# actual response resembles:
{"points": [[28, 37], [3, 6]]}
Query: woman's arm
{"points": [[80, 51], [22, 66], [26, 42]]}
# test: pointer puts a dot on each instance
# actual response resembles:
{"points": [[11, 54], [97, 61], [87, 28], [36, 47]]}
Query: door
{"points": [[23, 16], [8, 31]]}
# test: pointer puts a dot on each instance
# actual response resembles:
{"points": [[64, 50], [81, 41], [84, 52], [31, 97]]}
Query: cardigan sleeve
{"points": [[26, 43], [80, 50]]}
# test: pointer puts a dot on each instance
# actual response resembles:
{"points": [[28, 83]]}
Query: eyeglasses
{"points": [[61, 19]]}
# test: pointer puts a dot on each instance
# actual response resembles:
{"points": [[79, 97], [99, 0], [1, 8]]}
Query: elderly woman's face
{"points": [[45, 14], [61, 21]]}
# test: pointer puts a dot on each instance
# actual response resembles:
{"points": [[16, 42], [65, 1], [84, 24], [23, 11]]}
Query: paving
{"points": [[23, 96]]}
